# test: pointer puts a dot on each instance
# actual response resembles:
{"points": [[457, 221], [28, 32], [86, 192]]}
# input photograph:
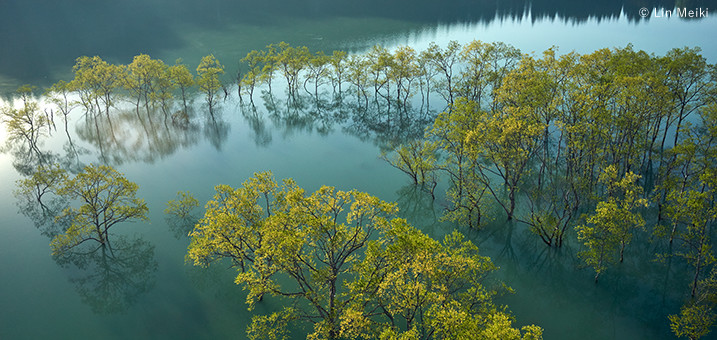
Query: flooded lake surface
{"points": [[148, 292]]}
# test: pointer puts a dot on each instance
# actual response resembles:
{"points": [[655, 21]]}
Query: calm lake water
{"points": [[147, 291]]}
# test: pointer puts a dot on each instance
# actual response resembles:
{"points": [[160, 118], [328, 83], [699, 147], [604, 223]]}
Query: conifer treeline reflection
{"points": [[39, 37]]}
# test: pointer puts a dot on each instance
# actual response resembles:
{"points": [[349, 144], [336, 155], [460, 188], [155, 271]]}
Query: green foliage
{"points": [[418, 160], [179, 214], [339, 64], [26, 124], [506, 141], [689, 193], [59, 95], [182, 78], [46, 179], [318, 72], [426, 289], [697, 316], [255, 66], [348, 266], [106, 198], [550, 134], [143, 77], [97, 81], [693, 322], [609, 228], [270, 231], [486, 66], [271, 327], [208, 73], [443, 61], [291, 61], [468, 183], [182, 206]]}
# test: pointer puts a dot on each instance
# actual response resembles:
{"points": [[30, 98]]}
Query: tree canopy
{"points": [[105, 198], [345, 264]]}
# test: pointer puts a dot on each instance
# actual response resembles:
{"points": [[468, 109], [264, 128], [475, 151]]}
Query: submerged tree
{"points": [[609, 229], [338, 256], [26, 124], [443, 61], [179, 214], [697, 316], [58, 94], [97, 82], [425, 289], [143, 77], [183, 79], [468, 184], [270, 231], [417, 159], [106, 198], [208, 73]]}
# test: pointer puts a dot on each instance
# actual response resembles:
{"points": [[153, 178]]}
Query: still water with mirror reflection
{"points": [[145, 289]]}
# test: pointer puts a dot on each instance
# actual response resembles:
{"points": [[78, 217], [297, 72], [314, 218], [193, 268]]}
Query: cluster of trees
{"points": [[593, 142], [100, 88], [99, 85], [603, 144], [346, 265], [390, 77], [386, 79], [343, 260]]}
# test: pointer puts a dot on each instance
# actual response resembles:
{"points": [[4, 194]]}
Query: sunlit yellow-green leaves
{"points": [[24, 125], [97, 81], [208, 73], [340, 257], [609, 229], [105, 198], [693, 322]]}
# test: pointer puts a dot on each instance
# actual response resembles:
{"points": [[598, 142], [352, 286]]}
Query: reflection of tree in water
{"points": [[303, 114], [110, 278], [262, 135], [417, 206], [133, 136], [181, 225], [216, 130], [42, 211], [32, 200], [113, 275], [372, 124], [26, 161]]}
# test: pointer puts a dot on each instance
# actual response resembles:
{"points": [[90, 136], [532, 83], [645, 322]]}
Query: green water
{"points": [[165, 298]]}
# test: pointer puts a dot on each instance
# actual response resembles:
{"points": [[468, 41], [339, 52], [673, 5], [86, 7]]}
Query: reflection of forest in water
{"points": [[130, 135], [41, 38], [110, 278], [147, 134]]}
